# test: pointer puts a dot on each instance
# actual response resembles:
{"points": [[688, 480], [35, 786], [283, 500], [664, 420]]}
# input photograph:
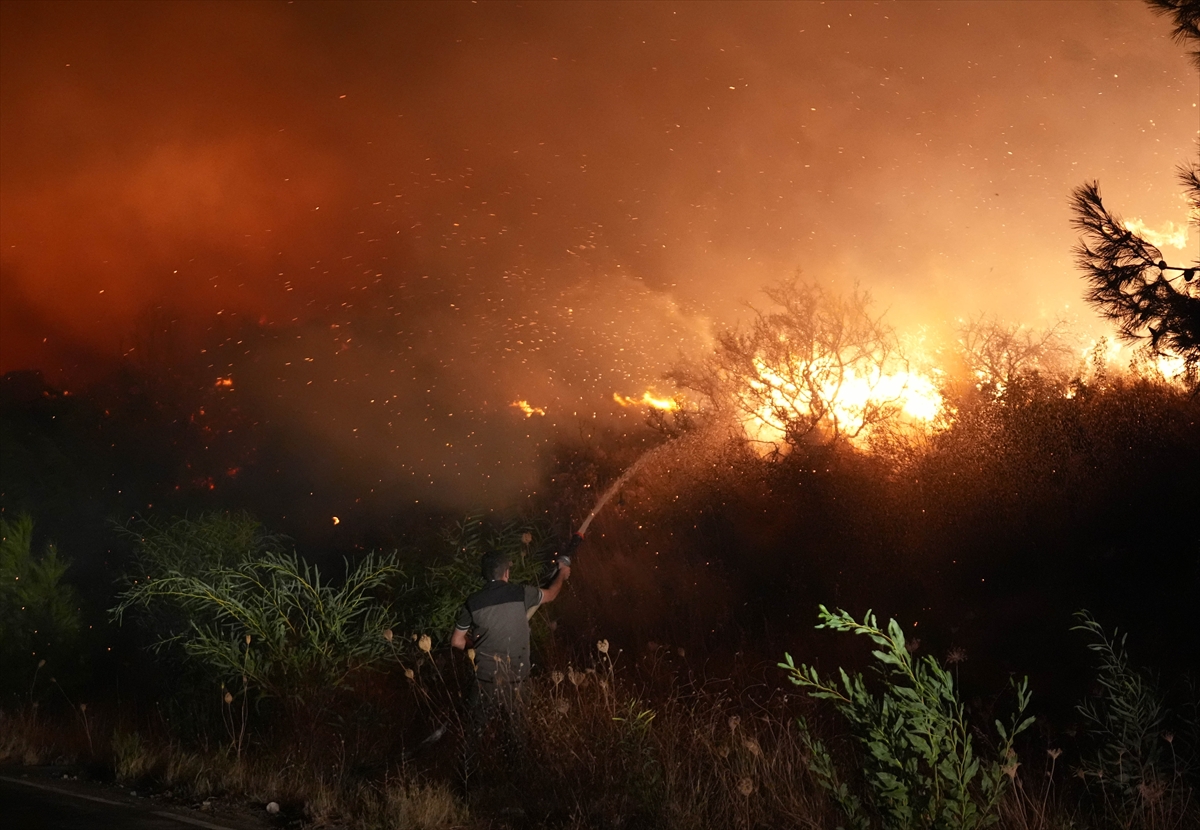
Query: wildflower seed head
{"points": [[526, 538], [388, 635], [734, 722], [746, 787], [471, 655], [41, 663], [83, 707], [410, 674], [228, 698], [602, 646], [247, 639], [425, 644], [556, 676], [563, 706], [753, 747], [1169, 737], [956, 655], [1054, 753]]}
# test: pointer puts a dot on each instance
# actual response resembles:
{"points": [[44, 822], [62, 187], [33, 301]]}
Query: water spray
{"points": [[564, 558]]}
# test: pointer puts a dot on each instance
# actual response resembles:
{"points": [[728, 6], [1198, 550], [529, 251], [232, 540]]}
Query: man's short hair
{"points": [[494, 564]]}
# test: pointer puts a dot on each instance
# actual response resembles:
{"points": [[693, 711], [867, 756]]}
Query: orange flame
{"points": [[846, 398], [647, 399], [529, 411]]}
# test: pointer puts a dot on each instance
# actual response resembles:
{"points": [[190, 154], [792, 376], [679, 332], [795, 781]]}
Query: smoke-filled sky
{"points": [[387, 222]]}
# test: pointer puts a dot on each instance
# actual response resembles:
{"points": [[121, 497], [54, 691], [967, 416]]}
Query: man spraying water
{"points": [[496, 622]]}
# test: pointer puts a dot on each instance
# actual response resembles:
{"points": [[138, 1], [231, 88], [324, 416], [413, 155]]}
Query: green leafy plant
{"points": [[1124, 722], [263, 617], [39, 614], [194, 546], [919, 761]]}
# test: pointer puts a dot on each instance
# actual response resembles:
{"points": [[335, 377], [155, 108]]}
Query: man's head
{"points": [[495, 565]]}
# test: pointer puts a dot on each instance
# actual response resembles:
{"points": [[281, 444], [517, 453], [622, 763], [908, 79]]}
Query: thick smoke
{"points": [[389, 223]]}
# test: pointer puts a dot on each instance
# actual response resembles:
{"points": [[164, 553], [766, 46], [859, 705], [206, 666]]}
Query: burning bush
{"points": [[818, 369]]}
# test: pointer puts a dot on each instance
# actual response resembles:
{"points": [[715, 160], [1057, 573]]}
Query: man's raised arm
{"points": [[549, 594]]}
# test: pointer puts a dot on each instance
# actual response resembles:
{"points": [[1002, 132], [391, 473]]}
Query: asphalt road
{"points": [[42, 805]]}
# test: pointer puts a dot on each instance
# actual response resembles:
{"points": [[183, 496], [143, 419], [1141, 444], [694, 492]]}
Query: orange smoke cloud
{"points": [[184, 226]]}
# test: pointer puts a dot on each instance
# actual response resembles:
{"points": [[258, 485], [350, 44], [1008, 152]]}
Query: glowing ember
{"points": [[336, 520], [647, 399], [529, 411], [224, 383]]}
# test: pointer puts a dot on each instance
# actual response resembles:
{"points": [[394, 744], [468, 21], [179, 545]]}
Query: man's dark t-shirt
{"points": [[497, 617]]}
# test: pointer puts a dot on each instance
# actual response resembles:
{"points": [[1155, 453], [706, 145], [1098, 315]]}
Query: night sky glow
{"points": [[383, 224]]}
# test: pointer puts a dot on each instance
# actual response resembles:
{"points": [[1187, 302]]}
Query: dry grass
{"points": [[31, 737], [600, 747], [608, 754]]}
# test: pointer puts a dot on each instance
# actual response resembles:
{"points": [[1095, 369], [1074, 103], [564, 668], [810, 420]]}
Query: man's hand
{"points": [[458, 639], [551, 593]]}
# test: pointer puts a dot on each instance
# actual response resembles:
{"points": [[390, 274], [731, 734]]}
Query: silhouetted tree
{"points": [[1186, 14], [1131, 283], [998, 357], [1129, 280]]}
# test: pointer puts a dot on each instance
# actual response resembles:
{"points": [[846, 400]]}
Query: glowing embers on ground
{"points": [[647, 399], [529, 410], [827, 398]]}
